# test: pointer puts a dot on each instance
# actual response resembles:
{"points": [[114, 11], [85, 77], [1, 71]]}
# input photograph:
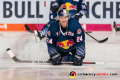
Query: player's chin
{"points": [[64, 23]]}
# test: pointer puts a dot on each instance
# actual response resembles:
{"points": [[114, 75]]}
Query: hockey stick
{"points": [[28, 29], [33, 31], [88, 31], [11, 54], [99, 41]]}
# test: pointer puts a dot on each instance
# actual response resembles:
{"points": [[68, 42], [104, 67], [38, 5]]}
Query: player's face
{"points": [[63, 21]]}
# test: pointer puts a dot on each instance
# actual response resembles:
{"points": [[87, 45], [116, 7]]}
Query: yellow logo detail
{"points": [[65, 44]]}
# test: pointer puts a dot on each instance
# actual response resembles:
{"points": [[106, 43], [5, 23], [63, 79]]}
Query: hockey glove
{"points": [[78, 60], [55, 8], [77, 16], [56, 59]]}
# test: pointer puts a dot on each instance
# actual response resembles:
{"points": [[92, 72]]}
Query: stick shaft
{"points": [[11, 54]]}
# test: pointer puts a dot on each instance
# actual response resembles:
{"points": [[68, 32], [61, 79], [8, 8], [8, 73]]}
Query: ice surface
{"points": [[24, 46]]}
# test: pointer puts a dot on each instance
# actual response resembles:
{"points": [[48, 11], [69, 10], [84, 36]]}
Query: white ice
{"points": [[24, 46]]}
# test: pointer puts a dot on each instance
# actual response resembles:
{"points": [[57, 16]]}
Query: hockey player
{"points": [[64, 36], [117, 28], [77, 9]]}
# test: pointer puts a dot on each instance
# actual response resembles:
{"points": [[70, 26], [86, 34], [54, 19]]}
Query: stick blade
{"points": [[11, 54], [104, 40]]}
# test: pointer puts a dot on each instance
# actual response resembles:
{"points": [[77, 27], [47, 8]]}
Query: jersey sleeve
{"points": [[51, 41], [82, 8], [80, 40]]}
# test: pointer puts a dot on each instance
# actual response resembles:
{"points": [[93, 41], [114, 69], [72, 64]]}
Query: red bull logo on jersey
{"points": [[65, 44], [69, 6], [49, 33], [78, 31]]}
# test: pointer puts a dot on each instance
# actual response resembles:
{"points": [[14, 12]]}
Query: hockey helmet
{"points": [[63, 12]]}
